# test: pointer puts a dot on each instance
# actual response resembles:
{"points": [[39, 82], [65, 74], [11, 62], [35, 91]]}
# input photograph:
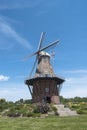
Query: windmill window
{"points": [[46, 90]]}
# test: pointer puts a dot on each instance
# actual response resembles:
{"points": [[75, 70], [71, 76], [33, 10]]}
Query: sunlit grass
{"points": [[48, 123]]}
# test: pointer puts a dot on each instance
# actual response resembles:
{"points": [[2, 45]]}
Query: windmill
{"points": [[44, 86]]}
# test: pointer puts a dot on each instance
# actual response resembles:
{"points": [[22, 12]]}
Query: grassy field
{"points": [[48, 123]]}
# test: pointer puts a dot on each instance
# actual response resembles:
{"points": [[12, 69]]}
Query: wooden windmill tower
{"points": [[44, 86]]}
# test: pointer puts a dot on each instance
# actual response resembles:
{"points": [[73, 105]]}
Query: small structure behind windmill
{"points": [[44, 85]]}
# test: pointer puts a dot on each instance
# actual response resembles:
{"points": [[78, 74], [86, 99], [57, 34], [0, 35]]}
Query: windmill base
{"points": [[55, 100], [45, 89], [46, 99]]}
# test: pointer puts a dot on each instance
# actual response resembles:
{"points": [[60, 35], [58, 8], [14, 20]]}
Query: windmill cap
{"points": [[43, 53]]}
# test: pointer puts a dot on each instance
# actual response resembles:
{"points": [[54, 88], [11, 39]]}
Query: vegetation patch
{"points": [[25, 108]]}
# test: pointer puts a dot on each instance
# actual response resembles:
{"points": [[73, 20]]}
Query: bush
{"points": [[80, 111], [42, 108], [36, 109], [54, 108], [28, 114], [13, 114]]}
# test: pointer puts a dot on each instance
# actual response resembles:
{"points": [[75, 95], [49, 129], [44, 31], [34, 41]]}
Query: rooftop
{"points": [[59, 80]]}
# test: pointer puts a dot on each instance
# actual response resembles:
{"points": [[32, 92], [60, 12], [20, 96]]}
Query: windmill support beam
{"points": [[30, 90], [59, 88]]}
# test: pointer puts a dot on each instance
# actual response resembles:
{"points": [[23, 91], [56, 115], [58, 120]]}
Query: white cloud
{"points": [[14, 91], [8, 31], [75, 84], [4, 78]]}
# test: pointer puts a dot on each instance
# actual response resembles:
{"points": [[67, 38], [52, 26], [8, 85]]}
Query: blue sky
{"points": [[21, 24]]}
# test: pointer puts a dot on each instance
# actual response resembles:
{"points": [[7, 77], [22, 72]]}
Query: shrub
{"points": [[80, 111], [54, 108]]}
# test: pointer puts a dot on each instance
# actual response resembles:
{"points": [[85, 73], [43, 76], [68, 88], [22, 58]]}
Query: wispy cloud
{"points": [[14, 91], [8, 31], [80, 71], [44, 5], [72, 87], [4, 78], [75, 87], [75, 84], [13, 4]]}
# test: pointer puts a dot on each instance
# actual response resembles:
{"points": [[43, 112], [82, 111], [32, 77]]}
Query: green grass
{"points": [[48, 123]]}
